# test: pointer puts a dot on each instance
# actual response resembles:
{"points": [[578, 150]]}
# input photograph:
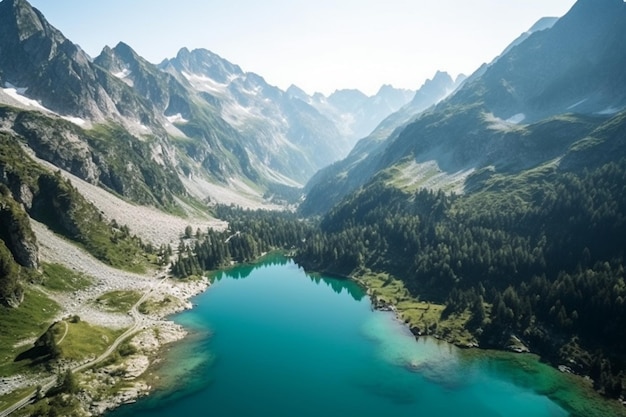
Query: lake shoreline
{"points": [[395, 351], [141, 382], [151, 344], [518, 348], [159, 355]]}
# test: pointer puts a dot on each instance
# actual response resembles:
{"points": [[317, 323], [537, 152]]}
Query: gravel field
{"points": [[150, 224]]}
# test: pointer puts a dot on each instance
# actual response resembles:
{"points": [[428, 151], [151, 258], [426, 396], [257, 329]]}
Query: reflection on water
{"points": [[339, 285]]}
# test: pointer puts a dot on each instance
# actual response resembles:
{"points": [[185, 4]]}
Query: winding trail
{"points": [[67, 329], [140, 322]]}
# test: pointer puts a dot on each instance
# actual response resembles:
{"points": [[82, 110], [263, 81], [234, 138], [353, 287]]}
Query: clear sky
{"points": [[318, 45]]}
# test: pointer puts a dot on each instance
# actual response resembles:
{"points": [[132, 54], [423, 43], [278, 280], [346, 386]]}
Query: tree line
{"points": [[249, 235]]}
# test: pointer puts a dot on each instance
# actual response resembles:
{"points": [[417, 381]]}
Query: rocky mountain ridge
{"points": [[551, 83], [284, 136], [201, 117]]}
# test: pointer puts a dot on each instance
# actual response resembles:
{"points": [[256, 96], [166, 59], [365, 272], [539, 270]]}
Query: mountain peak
{"points": [[388, 89], [599, 3], [584, 11], [441, 76], [203, 62], [122, 46], [441, 81], [297, 92], [17, 4], [19, 19], [347, 94], [55, 72], [183, 53], [126, 52], [435, 89], [29, 41]]}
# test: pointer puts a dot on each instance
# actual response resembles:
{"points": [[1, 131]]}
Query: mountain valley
{"points": [[497, 200]]}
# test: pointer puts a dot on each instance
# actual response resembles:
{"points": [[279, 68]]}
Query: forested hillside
{"points": [[27, 191], [545, 250], [250, 234]]}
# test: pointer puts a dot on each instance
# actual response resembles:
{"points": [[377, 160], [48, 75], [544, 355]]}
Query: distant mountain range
{"points": [[204, 125], [201, 119], [330, 184], [356, 114]]}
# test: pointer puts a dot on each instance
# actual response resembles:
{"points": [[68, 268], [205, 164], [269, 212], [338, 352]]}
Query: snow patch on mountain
{"points": [[496, 123], [176, 118], [516, 119], [609, 111], [76, 120], [430, 176], [123, 74], [236, 114], [206, 84], [17, 93]]}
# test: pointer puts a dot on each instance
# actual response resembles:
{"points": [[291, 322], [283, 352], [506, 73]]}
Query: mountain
{"points": [[571, 67], [430, 93], [197, 121], [205, 147], [356, 114], [78, 116], [329, 185], [159, 89], [284, 136], [547, 86], [542, 24], [40, 62]]}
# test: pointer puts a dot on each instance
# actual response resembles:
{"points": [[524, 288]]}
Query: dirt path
{"points": [[140, 322], [67, 329]]}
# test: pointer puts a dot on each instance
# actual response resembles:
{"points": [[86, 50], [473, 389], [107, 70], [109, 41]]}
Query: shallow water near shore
{"points": [[270, 340]]}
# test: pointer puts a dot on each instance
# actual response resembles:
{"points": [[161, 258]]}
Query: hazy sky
{"points": [[319, 45]]}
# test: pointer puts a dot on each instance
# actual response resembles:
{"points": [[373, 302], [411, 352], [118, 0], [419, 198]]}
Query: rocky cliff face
{"points": [[18, 246], [39, 61], [16, 233], [158, 88]]}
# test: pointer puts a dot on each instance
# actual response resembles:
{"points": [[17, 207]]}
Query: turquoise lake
{"points": [[272, 341]]}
